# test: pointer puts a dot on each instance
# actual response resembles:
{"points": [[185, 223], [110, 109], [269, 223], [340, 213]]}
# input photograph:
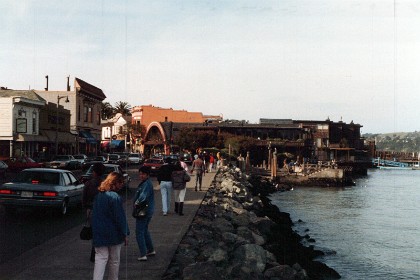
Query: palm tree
{"points": [[107, 111], [122, 107]]}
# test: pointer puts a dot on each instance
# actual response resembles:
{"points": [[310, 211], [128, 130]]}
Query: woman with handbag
{"points": [[179, 178], [144, 195], [109, 227], [89, 192]]}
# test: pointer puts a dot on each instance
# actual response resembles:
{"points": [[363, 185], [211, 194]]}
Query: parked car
{"points": [[64, 162], [92, 160], [116, 159], [42, 187], [80, 158], [108, 169], [3, 168], [135, 158], [154, 164], [18, 164]]}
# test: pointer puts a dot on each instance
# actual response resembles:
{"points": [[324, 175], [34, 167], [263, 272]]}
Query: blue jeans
{"points": [[166, 191], [143, 236]]}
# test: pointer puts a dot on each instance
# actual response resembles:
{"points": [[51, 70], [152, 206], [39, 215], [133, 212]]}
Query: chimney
{"points": [[68, 83], [46, 77]]}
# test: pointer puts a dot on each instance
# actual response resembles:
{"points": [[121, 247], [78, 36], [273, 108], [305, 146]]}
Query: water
{"points": [[369, 231]]}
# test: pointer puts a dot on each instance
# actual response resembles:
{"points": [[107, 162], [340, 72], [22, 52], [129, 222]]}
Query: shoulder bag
{"points": [[86, 232]]}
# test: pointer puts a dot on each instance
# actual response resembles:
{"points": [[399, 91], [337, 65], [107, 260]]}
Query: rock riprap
{"points": [[238, 234]]}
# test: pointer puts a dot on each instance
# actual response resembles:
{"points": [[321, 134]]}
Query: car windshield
{"points": [[36, 177], [134, 155], [113, 157], [79, 157]]}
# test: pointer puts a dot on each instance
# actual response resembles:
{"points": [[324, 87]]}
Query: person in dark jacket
{"points": [[145, 193], [165, 182], [109, 227], [89, 192]]}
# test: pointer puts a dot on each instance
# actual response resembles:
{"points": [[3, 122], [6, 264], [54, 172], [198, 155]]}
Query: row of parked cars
{"points": [[53, 185]]}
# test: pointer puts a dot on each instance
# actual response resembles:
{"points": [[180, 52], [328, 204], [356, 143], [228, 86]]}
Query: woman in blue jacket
{"points": [[145, 193], [109, 227]]}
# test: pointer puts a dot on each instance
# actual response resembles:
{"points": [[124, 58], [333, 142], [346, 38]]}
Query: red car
{"points": [[154, 164], [18, 164]]}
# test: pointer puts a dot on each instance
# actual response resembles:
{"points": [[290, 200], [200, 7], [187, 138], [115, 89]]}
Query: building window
{"points": [[34, 126], [21, 125], [88, 114]]}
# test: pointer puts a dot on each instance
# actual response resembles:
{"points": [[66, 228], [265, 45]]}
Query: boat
{"points": [[394, 167]]}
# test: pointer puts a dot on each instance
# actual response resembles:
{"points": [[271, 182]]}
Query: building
{"points": [[84, 103], [115, 134], [146, 116], [21, 113]]}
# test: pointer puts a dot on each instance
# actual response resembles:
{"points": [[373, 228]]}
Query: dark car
{"points": [[154, 164], [92, 160], [18, 164], [42, 187], [116, 159], [187, 158], [64, 162], [108, 169]]}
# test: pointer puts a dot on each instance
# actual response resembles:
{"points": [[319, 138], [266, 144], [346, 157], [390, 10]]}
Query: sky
{"points": [[349, 60]]}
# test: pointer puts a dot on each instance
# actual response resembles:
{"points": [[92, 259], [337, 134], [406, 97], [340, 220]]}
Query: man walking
{"points": [[199, 168]]}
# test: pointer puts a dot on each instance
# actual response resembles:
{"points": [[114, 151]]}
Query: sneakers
{"points": [[153, 253], [164, 213], [142, 259]]}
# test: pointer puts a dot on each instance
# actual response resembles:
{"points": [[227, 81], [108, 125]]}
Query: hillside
{"points": [[398, 141]]}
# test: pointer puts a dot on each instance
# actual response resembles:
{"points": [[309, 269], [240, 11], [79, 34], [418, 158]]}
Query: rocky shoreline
{"points": [[238, 234]]}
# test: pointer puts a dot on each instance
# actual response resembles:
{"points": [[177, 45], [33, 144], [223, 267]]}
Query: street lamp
{"points": [[56, 120]]}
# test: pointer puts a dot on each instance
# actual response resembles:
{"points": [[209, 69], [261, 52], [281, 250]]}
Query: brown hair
{"points": [[111, 181]]}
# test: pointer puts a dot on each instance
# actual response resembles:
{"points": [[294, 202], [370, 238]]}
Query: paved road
{"points": [[65, 256]]}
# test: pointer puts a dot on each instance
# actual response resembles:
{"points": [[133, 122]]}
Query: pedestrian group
{"points": [[107, 218]]}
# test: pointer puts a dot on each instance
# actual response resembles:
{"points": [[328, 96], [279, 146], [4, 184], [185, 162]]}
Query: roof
{"points": [[91, 89], [29, 94]]}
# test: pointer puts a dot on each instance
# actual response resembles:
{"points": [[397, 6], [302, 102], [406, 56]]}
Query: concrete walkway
{"points": [[67, 257]]}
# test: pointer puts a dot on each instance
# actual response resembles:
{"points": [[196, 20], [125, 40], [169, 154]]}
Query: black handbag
{"points": [[140, 209], [86, 233]]}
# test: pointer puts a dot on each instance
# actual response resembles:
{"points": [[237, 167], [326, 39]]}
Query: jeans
{"points": [[107, 255], [144, 240], [198, 179], [166, 191]]}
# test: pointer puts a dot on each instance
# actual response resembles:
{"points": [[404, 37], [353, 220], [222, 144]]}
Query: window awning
{"points": [[117, 144], [89, 138], [105, 144]]}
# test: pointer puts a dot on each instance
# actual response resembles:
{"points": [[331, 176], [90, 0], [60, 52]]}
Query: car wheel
{"points": [[63, 208]]}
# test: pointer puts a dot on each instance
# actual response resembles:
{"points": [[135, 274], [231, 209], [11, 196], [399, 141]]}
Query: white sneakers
{"points": [[144, 258]]}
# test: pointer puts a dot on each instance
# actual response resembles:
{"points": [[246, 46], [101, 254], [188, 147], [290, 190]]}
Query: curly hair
{"points": [[111, 182]]}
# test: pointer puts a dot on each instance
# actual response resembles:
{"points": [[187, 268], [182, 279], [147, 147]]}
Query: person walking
{"points": [[165, 183], [179, 179], [211, 162], [109, 227], [145, 193], [199, 168], [89, 192]]}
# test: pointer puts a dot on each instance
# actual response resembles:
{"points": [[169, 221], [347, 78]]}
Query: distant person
{"points": [[165, 183], [211, 162], [145, 193], [90, 190], [199, 168], [109, 227], [179, 179]]}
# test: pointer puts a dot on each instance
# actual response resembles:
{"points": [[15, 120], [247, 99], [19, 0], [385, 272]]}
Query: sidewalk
{"points": [[67, 257]]}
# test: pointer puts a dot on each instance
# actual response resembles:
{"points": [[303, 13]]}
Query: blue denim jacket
{"points": [[109, 223], [145, 192]]}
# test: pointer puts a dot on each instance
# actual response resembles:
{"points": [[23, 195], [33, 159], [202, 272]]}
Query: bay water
{"points": [[368, 231]]}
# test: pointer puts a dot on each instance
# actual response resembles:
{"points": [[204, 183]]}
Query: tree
{"points": [[122, 107], [107, 111]]}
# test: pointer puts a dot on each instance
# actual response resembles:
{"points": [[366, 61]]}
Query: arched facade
{"points": [[155, 140]]}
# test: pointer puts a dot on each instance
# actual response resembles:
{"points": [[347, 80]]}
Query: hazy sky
{"points": [[287, 59]]}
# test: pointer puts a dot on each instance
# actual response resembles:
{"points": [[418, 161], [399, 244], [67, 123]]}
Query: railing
{"points": [[383, 162]]}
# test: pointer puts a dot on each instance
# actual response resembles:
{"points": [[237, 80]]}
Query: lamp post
{"points": [[56, 120]]}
